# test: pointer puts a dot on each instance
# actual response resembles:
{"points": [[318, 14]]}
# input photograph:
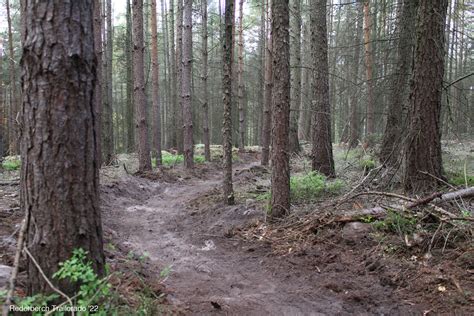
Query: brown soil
{"points": [[222, 262]]}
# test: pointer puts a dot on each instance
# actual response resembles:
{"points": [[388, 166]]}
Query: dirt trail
{"points": [[212, 274]]}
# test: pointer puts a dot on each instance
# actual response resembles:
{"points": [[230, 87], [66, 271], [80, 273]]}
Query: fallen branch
{"points": [[10, 182]]}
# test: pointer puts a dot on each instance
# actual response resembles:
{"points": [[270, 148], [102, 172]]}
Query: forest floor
{"points": [[171, 236]]}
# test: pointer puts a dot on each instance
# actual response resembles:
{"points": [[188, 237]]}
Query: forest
{"points": [[237, 157]]}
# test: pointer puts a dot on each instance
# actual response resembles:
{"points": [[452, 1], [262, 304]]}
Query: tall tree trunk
{"points": [[59, 173], [139, 98], [280, 200], [423, 152], [179, 76], [174, 81], [156, 86], [99, 78], [396, 125], [369, 62], [354, 115], [240, 78], [322, 159], [188, 144], [130, 104], [267, 111], [305, 117], [204, 76], [14, 94], [295, 62], [227, 100], [108, 145], [2, 114], [261, 77]]}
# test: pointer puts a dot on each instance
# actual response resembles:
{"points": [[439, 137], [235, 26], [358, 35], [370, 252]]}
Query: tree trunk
{"points": [[304, 117], [179, 76], [267, 110], [99, 78], [280, 200], [174, 81], [396, 125], [423, 152], [130, 104], [3, 128], [227, 100], [241, 79], [156, 86], [295, 62], [139, 98], [188, 143], [14, 95], [322, 159], [108, 145], [59, 176], [369, 62], [205, 101]]}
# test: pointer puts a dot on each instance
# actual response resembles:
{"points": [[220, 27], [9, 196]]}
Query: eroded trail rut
{"points": [[212, 274]]}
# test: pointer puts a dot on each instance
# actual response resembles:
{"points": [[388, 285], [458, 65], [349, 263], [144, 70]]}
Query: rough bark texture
{"points": [[241, 78], [2, 114], [14, 95], [139, 98], [59, 176], [179, 76], [130, 109], [174, 81], [204, 76], [108, 130], [295, 62], [304, 117], [369, 64], [99, 78], [280, 200], [423, 147], [267, 110], [156, 86], [395, 127], [227, 100], [188, 144], [322, 158]]}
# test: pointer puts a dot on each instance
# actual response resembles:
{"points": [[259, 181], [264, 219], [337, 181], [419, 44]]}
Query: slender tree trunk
{"points": [[205, 101], [322, 159], [369, 62], [179, 76], [423, 152], [14, 94], [108, 145], [227, 100], [59, 173], [130, 104], [354, 115], [280, 200], [267, 111], [304, 117], [156, 86], [295, 62], [2, 115], [139, 98], [174, 80], [241, 79], [396, 125], [99, 80], [261, 76], [188, 143]]}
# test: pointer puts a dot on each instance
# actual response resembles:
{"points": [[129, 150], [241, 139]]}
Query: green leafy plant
{"points": [[367, 164], [11, 163], [168, 159], [396, 222]]}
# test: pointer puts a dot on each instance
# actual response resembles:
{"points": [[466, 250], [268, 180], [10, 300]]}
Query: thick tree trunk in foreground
{"points": [[204, 76], [267, 110], [14, 137], [280, 200], [139, 99], [395, 127], [322, 158], [188, 144], [423, 151], [59, 176], [227, 100], [156, 86]]}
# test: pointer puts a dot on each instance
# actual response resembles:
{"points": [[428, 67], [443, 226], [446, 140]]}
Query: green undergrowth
{"points": [[460, 179], [168, 159], [11, 163], [308, 187], [395, 222]]}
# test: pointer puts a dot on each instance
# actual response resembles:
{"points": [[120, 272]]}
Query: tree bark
{"points": [[227, 100], [108, 145], [369, 63], [423, 147], [130, 104], [241, 79], [174, 81], [155, 86], [14, 133], [295, 62], [204, 76], [280, 200], [59, 173], [188, 144], [99, 78], [139, 98], [179, 76], [396, 125], [267, 110], [322, 158]]}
